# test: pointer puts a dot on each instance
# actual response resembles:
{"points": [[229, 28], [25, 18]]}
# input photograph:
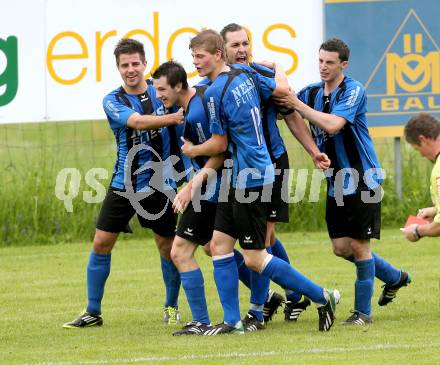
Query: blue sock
{"points": [[384, 271], [287, 277], [171, 278], [98, 270], [244, 273], [194, 286], [364, 286], [279, 251], [259, 289], [293, 297], [226, 280]]}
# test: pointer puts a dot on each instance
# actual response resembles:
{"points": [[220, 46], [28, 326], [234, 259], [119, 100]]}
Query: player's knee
{"points": [[360, 247], [176, 255], [103, 241], [101, 245], [164, 245], [165, 253], [341, 252], [215, 247], [252, 263]]}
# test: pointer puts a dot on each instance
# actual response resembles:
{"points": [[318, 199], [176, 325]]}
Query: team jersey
{"points": [[435, 188], [182, 165], [154, 145], [351, 149], [234, 110], [197, 130], [269, 112]]}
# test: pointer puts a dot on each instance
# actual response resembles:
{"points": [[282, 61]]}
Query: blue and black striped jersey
{"points": [[153, 146], [351, 150]]}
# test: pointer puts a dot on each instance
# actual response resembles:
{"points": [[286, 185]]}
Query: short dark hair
{"points": [[129, 46], [336, 45], [231, 27], [209, 40], [174, 72], [422, 124]]}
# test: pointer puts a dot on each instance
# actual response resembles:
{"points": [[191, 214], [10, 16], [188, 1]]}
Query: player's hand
{"points": [[321, 161], [427, 213], [289, 101], [177, 117], [182, 199], [408, 232], [188, 148], [265, 63]]}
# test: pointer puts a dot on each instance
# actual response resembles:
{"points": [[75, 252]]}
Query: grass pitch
{"points": [[41, 287]]}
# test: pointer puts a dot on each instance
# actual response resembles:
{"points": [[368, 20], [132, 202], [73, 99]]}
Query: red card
{"points": [[412, 219]]}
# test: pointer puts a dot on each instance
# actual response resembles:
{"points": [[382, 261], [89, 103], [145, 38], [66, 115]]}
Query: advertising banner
{"points": [[394, 52], [57, 63]]}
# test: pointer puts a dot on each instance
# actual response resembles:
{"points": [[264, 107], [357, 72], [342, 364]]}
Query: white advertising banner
{"points": [[56, 56]]}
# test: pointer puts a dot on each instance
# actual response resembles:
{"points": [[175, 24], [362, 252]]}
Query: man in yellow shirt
{"points": [[422, 132]]}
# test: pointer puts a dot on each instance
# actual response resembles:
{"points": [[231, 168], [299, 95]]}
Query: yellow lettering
{"points": [[407, 43], [171, 43], [389, 104], [153, 38], [413, 102], [419, 43], [435, 69], [432, 104], [52, 57], [99, 43], [284, 50]]}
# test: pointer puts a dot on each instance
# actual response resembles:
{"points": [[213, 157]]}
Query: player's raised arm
{"points": [[145, 122], [215, 145], [301, 132], [330, 123], [281, 87]]}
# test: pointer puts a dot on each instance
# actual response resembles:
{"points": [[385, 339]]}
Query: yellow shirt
{"points": [[435, 188]]}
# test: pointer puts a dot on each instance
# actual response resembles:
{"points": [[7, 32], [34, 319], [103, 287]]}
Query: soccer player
{"points": [[238, 50], [196, 223], [422, 132], [336, 107], [136, 118], [234, 113]]}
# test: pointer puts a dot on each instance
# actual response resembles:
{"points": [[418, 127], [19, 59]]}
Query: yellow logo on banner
{"points": [[411, 68], [425, 72]]}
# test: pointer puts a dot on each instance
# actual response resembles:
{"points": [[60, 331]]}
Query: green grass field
{"points": [[43, 286]]}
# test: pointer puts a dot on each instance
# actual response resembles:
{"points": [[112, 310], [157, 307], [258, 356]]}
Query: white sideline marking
{"points": [[153, 359]]}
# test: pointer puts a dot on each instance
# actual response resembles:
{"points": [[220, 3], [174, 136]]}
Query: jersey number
{"points": [[256, 118]]}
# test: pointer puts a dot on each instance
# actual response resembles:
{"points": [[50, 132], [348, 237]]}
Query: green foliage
{"points": [[44, 286], [32, 155]]}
